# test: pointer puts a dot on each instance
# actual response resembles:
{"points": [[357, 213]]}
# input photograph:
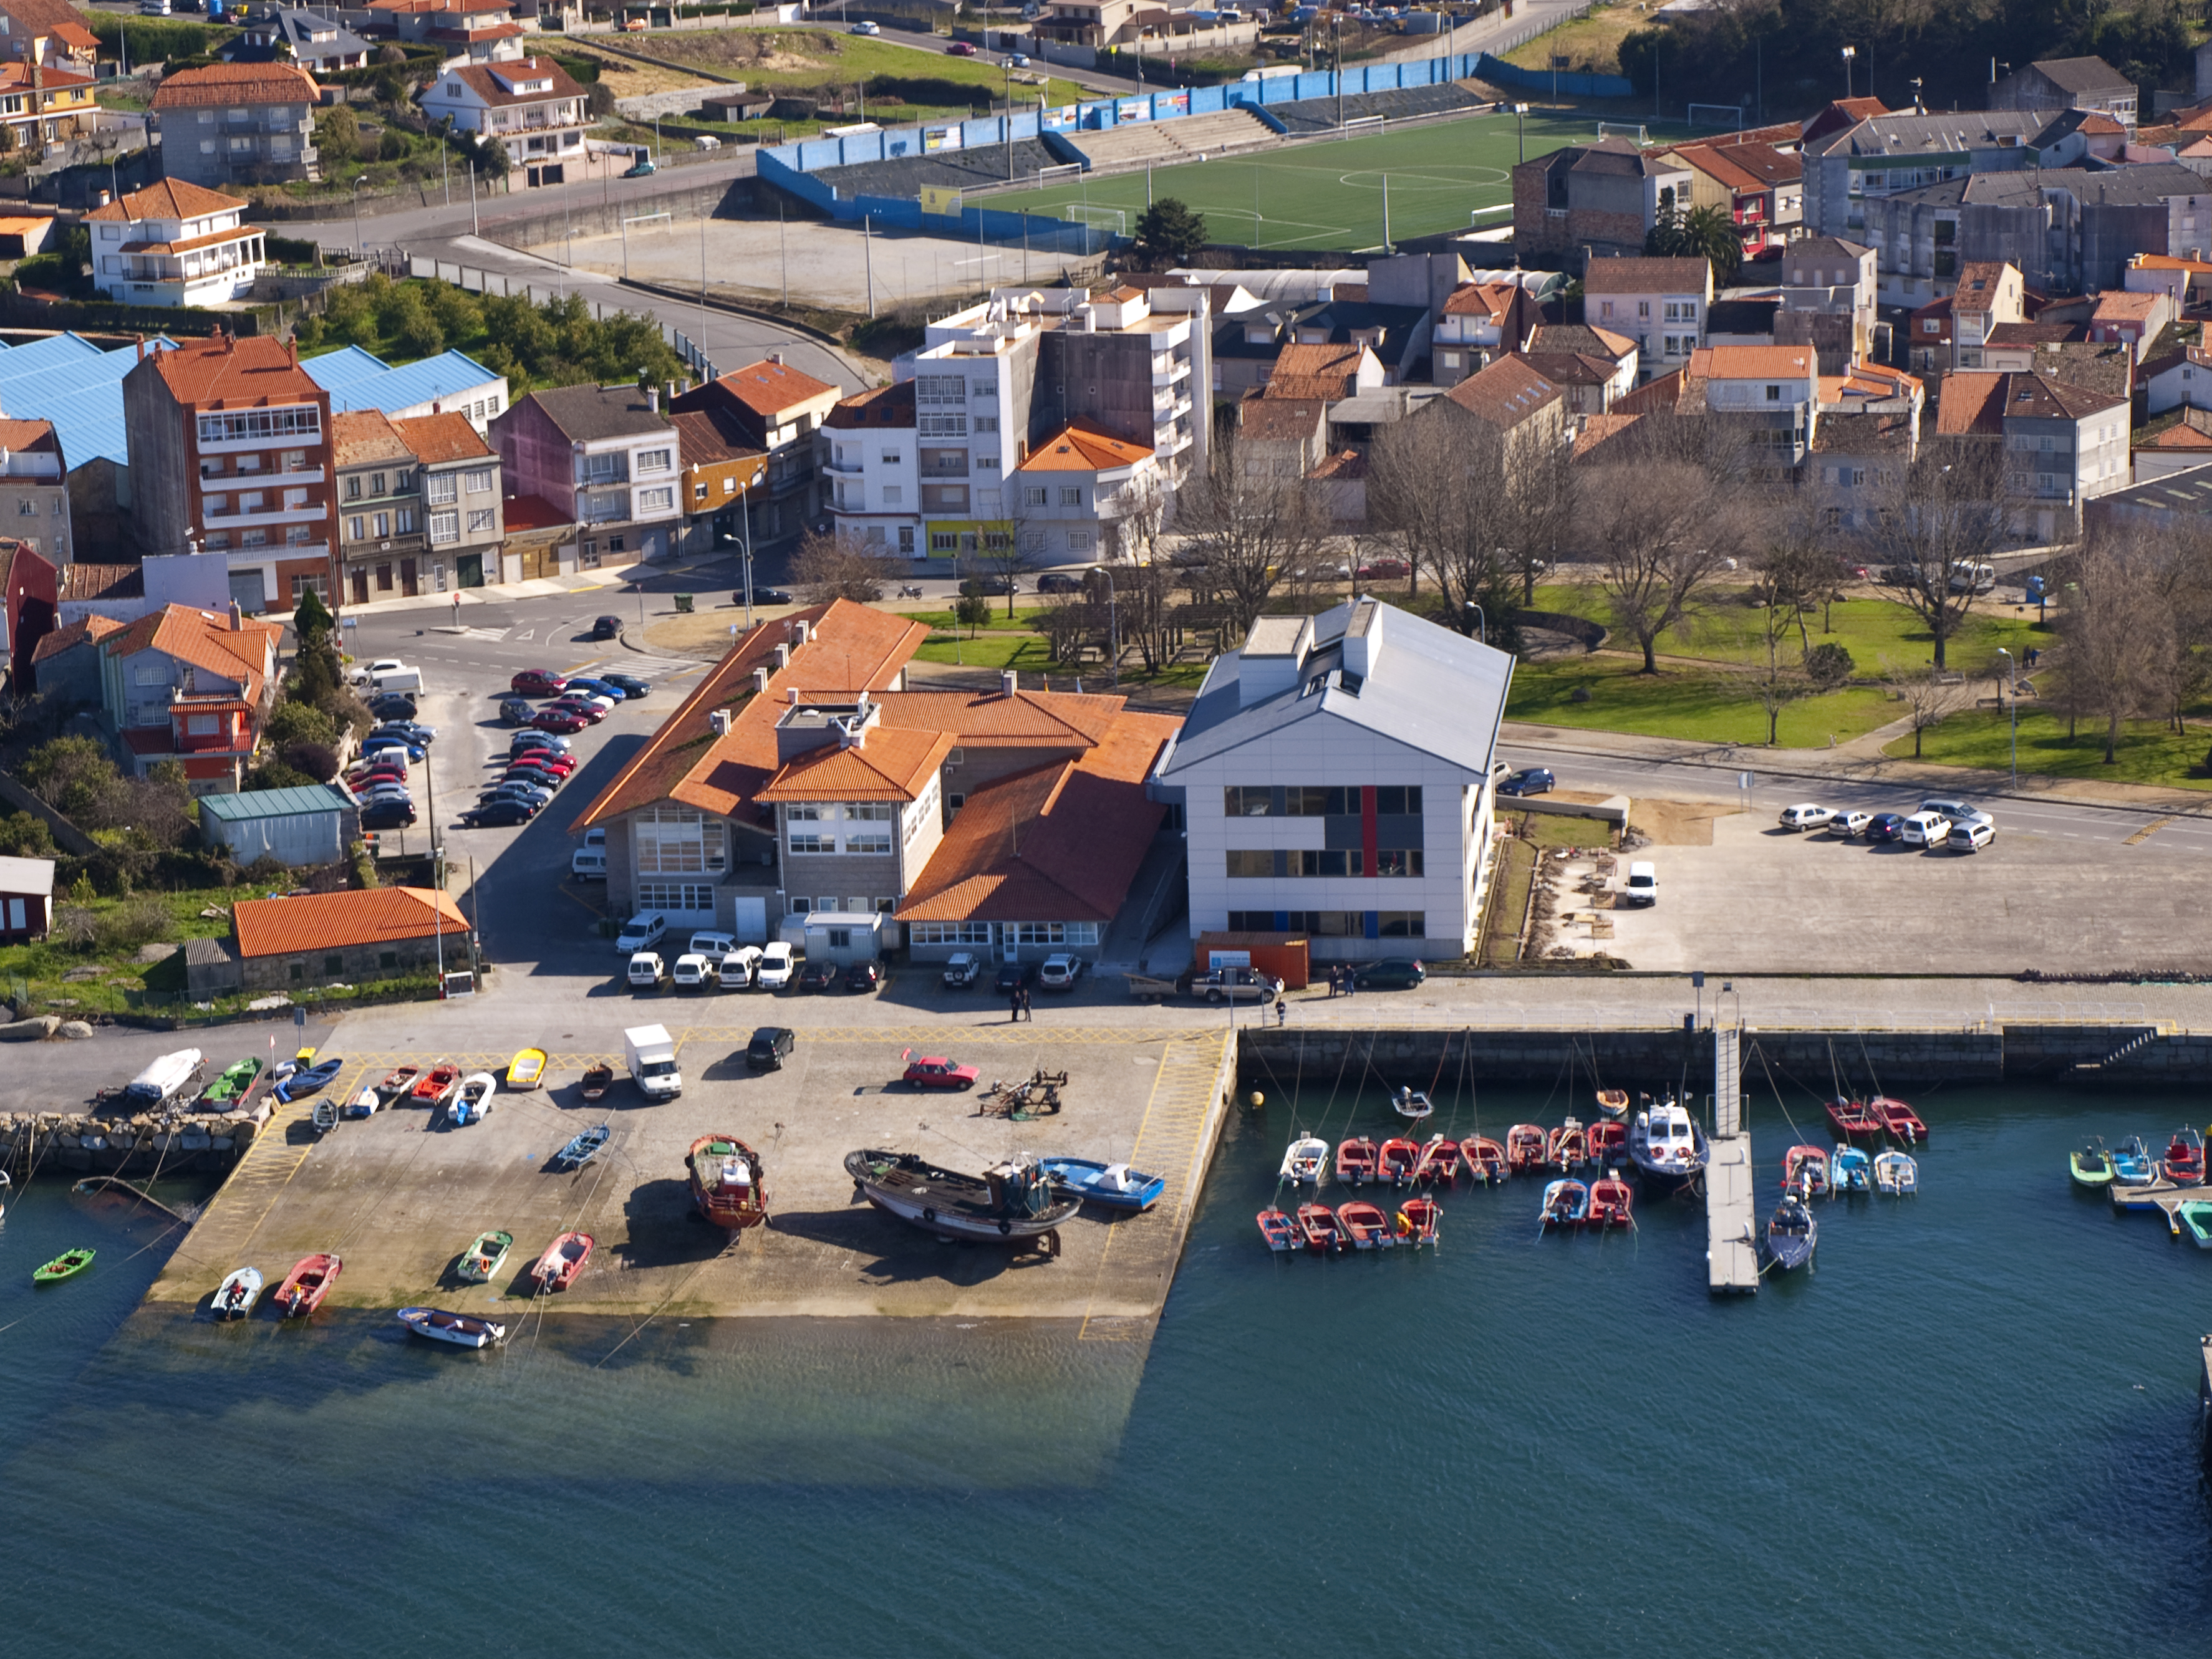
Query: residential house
{"points": [[230, 452], [1839, 115], [174, 243], [2063, 445], [2171, 446], [529, 104], [1480, 321], [1828, 289], [1328, 372], [1082, 491], [1989, 292], [1849, 168], [1775, 391], [1398, 335], [1281, 437], [457, 477], [1087, 22], [2068, 83], [27, 899], [1931, 347], [29, 600], [1337, 777], [238, 123], [2187, 279], [193, 687], [346, 938], [604, 457], [866, 454], [1589, 384], [771, 407], [1856, 465], [1586, 340], [1355, 421], [2134, 320], [2181, 378], [1586, 202], [2061, 351], [40, 106], [1760, 189], [721, 471], [1660, 303], [65, 664], [317, 41], [1525, 411], [380, 541], [466, 31], [49, 32], [34, 499], [541, 540]]}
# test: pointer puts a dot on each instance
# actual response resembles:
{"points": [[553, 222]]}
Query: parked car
{"points": [[606, 628], [561, 720], [377, 792], [413, 730], [1391, 974], [387, 815], [962, 969], [1379, 570], [629, 684], [643, 167], [1926, 829], [1806, 815], [641, 930], [697, 971], [1959, 812], [768, 596], [817, 976], [740, 966], [770, 1047], [391, 706], [1885, 826], [989, 584], [865, 977], [936, 1072], [1059, 581], [553, 765], [516, 711], [585, 713], [537, 682], [496, 815], [381, 745], [647, 971], [1970, 837], [1529, 780], [711, 944], [361, 776], [776, 965], [1017, 60], [1237, 985], [535, 742], [1643, 884], [530, 795], [1849, 826], [1013, 977], [1060, 972]]}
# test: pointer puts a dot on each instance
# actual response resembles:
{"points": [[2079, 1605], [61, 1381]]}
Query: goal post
{"points": [[1064, 172], [1623, 129], [1115, 220], [1360, 124], [1717, 115]]}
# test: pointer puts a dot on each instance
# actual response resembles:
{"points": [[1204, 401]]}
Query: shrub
{"points": [[1828, 665], [134, 922], [22, 836], [392, 147], [75, 922], [300, 722], [318, 760]]}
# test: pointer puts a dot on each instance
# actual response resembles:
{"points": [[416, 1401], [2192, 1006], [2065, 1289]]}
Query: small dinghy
{"points": [[325, 1118], [1804, 1169], [1115, 1185], [1279, 1229], [1317, 1226], [308, 1282], [597, 1080], [229, 1091], [314, 1080], [1609, 1144], [1484, 1158], [2194, 1216], [1568, 1146], [1356, 1161], [234, 1298], [363, 1104], [2183, 1163], [563, 1260], [67, 1265], [2092, 1167], [1304, 1160], [5, 1184], [1439, 1161], [1525, 1145], [1397, 1161], [2132, 1164], [527, 1069], [1614, 1103], [1902, 1123], [400, 1080], [1417, 1221], [1610, 1201], [471, 1102], [1791, 1233], [1854, 1120], [1850, 1170], [1365, 1226], [1412, 1103], [1567, 1204], [1896, 1174], [485, 1256], [582, 1147], [436, 1086], [462, 1330]]}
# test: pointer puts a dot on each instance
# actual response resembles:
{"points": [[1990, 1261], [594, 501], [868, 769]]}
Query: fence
{"points": [[492, 281]]}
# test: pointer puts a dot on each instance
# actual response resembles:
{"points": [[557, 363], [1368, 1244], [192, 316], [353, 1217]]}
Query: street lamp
{"points": [[1113, 627], [357, 254], [1481, 622], [1519, 136], [2012, 676], [1849, 52]]}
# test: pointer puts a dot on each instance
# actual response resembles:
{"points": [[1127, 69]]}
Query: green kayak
{"points": [[233, 1084], [484, 1256], [67, 1265]]}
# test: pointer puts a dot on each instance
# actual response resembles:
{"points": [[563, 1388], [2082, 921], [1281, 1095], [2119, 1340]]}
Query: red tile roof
{"points": [[91, 629], [230, 372], [221, 84], [487, 80], [769, 389], [706, 438], [992, 719], [170, 199], [1084, 445], [1506, 393], [892, 765], [333, 920], [28, 435], [206, 639], [433, 438], [360, 436], [883, 406]]}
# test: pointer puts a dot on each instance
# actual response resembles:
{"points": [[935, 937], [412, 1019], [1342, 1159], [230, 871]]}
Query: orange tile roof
{"points": [[883, 406], [490, 82], [1505, 393], [436, 438], [991, 719], [360, 436], [332, 921], [170, 199], [892, 765], [704, 440], [93, 630], [27, 435], [769, 389], [1084, 445], [2181, 436], [206, 639], [2116, 305], [233, 373], [1754, 362], [221, 84], [1479, 300]]}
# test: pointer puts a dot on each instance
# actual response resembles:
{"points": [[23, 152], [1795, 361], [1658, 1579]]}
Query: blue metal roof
{"points": [[53, 352], [353, 387], [78, 387], [349, 366]]}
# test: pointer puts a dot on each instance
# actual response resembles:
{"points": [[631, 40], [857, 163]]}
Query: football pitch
{"points": [[1330, 194]]}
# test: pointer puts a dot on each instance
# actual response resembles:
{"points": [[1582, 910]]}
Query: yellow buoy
{"points": [[1258, 1099]]}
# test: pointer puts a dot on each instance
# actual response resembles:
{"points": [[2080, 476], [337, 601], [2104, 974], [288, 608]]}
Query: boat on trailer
{"points": [[471, 1102], [1280, 1232], [462, 1330], [1356, 1161], [1567, 1204], [1418, 1220], [1525, 1148], [1397, 1161], [527, 1069], [1484, 1157], [236, 1296], [1791, 1233], [1611, 1201], [1896, 1174], [436, 1086], [1365, 1226], [1305, 1160], [728, 1185], [400, 1080]]}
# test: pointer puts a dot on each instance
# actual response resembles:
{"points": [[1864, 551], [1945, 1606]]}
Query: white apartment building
{"points": [[531, 105], [1660, 303], [34, 506], [1337, 777], [864, 454], [175, 243]]}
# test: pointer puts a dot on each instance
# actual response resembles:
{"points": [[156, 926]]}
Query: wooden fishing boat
{"points": [[230, 1089], [2183, 1163], [308, 1282], [1418, 1220], [1305, 1160], [1608, 1143], [314, 1080], [1279, 1229], [1439, 1161], [67, 1265], [1791, 1233], [1525, 1145], [2132, 1164], [1567, 1204], [1568, 1146], [1397, 1161], [1614, 1103], [1854, 1120], [1115, 1185], [325, 1118], [485, 1256], [462, 1330], [1611, 1199], [1355, 1161], [435, 1087], [1010, 1203], [1412, 1103], [2092, 1167], [2195, 1215], [728, 1185], [597, 1080], [471, 1102], [1900, 1120], [1484, 1158], [234, 1298], [400, 1080], [563, 1260], [1850, 1170], [1317, 1226], [1365, 1226], [527, 1069], [582, 1147], [1805, 1169], [1896, 1174]]}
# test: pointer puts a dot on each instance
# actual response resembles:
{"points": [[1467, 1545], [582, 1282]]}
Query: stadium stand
{"points": [[1320, 114], [957, 169], [1134, 144]]}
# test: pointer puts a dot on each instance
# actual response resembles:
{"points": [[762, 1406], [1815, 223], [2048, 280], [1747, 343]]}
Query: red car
{"points": [[1377, 569], [936, 1072], [538, 682], [560, 720], [589, 713], [960, 49], [377, 773], [559, 764]]}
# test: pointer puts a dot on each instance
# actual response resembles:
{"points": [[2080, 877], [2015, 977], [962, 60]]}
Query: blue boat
{"points": [[1115, 1185], [315, 1079], [581, 1148], [1791, 1234], [1851, 1170], [1567, 1204], [2132, 1164]]}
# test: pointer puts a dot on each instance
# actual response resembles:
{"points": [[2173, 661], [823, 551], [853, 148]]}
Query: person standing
{"points": [[1282, 1012], [1014, 1005], [1027, 1013]]}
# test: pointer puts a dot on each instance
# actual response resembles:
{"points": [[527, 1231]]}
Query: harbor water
{"points": [[1971, 1429]]}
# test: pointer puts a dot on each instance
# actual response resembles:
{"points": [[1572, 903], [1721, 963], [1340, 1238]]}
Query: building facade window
{"points": [[673, 840], [948, 933], [676, 895]]}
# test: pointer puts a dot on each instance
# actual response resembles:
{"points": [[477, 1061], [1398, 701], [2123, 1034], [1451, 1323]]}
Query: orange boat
{"points": [[1355, 1161], [1569, 1145], [1318, 1223], [563, 1260], [1418, 1220], [728, 1185], [1439, 1161], [1279, 1229], [1608, 1143], [1398, 1160], [1524, 1148], [1365, 1226], [436, 1086], [1485, 1158], [1609, 1202], [305, 1286]]}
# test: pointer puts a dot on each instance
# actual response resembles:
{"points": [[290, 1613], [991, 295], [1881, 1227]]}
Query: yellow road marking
{"points": [[2147, 831]]}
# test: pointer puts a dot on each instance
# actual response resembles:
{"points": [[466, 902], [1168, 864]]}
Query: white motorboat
{"points": [[236, 1296], [1667, 1147], [472, 1100], [1305, 1160], [1412, 1103], [1895, 1173], [462, 1330]]}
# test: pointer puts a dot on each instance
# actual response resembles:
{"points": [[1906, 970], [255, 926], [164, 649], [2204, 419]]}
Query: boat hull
{"points": [[731, 1208], [461, 1329], [945, 1202], [307, 1285], [583, 1148], [236, 1296], [1093, 1181]]}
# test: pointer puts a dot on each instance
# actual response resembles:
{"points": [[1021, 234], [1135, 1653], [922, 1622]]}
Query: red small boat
{"points": [[1318, 1223], [396, 1082], [1279, 1229], [1524, 1148], [1439, 1161], [1486, 1158], [1805, 1167], [1418, 1220], [1608, 1143], [563, 1260], [305, 1286], [1355, 1161], [1854, 1120], [1398, 1160], [1899, 1119], [2185, 1159], [1365, 1225], [1567, 1146], [1609, 1201], [435, 1087]]}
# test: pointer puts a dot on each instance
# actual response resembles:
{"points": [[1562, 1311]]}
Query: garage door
{"points": [[751, 922], [540, 562]]}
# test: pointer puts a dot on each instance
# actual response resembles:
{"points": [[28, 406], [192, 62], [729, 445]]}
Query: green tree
{"points": [[77, 779], [1705, 231], [1169, 232], [300, 722], [337, 131], [22, 836]]}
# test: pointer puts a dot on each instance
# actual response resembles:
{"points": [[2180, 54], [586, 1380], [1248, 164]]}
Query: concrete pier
{"points": [[1731, 1206]]}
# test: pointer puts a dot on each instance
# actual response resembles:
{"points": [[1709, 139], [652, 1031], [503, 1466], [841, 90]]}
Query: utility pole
{"points": [[474, 227], [783, 252], [868, 254]]}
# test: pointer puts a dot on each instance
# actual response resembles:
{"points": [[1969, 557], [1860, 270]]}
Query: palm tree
{"points": [[1709, 231]]}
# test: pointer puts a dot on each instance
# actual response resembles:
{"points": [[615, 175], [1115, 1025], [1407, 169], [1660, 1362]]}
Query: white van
{"points": [[739, 966], [588, 865], [647, 971], [1643, 887], [712, 946], [1925, 829], [696, 972]]}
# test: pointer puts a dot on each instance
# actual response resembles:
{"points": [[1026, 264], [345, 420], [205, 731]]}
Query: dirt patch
{"points": [[1675, 823], [705, 632], [626, 78]]}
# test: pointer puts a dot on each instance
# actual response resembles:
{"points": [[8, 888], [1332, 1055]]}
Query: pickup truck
{"points": [[1237, 985]]}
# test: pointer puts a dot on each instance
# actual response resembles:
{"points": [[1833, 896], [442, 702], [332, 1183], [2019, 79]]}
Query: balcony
{"points": [[1178, 370], [852, 468], [265, 517]]}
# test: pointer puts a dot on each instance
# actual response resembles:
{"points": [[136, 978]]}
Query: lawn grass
{"points": [[41, 966], [992, 648], [2148, 752], [822, 58], [1698, 705]]}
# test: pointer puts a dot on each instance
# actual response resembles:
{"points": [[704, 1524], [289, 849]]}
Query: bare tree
{"points": [[1797, 570], [827, 567], [1440, 483], [2115, 629], [1240, 532], [1148, 609], [1929, 697], [1660, 533], [2180, 560], [1015, 545], [1937, 524]]}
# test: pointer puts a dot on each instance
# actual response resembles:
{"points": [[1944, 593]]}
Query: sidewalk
{"points": [[537, 588]]}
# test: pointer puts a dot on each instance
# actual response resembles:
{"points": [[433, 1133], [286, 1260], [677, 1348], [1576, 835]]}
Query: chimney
{"points": [[800, 633], [718, 723], [775, 357], [105, 197], [142, 347], [237, 618], [1009, 682], [760, 682], [792, 695], [652, 399], [783, 656]]}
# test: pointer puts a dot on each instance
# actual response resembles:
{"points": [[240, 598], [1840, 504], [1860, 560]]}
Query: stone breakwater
{"points": [[88, 1143]]}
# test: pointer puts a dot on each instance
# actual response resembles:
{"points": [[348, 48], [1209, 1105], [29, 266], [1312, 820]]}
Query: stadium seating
{"points": [[954, 169], [1320, 114], [1170, 142]]}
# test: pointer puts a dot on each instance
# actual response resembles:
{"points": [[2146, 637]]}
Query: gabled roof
{"points": [[992, 719], [769, 389], [28, 437], [1754, 363], [2083, 74], [89, 632], [1504, 394], [891, 765], [707, 437], [362, 437], [1742, 166], [1648, 275], [1583, 339], [1279, 419], [1819, 250], [1567, 368], [1488, 299], [233, 373], [169, 198], [206, 639], [1084, 445], [91, 581], [247, 805], [1326, 372], [881, 407], [585, 415], [495, 82], [437, 438], [1978, 403], [333, 920], [224, 84]]}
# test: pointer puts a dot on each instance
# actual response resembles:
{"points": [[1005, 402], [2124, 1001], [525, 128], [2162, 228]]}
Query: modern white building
{"points": [[175, 243], [531, 105], [1337, 777], [864, 453]]}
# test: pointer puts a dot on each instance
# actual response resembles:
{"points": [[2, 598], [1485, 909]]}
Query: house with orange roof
{"points": [[339, 938], [1480, 321], [531, 106], [2131, 319], [1660, 303], [466, 31], [49, 32], [1759, 187], [65, 663], [1078, 490], [1329, 373], [238, 123], [774, 409], [174, 243], [2175, 447], [2072, 442], [41, 105], [1773, 390], [2187, 279], [34, 497], [457, 475], [193, 687]]}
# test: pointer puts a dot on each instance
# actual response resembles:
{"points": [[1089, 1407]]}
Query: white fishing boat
{"points": [[1412, 1103], [5, 1184], [1896, 1174], [462, 1330], [236, 1296], [472, 1100], [1305, 1160]]}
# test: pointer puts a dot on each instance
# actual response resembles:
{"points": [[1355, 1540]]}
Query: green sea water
{"points": [[1972, 1430]]}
